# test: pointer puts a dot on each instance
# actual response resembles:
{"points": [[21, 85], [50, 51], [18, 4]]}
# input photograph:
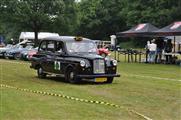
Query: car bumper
{"points": [[9, 55], [98, 76], [1, 54]]}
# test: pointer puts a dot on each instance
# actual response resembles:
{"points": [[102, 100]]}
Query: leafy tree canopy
{"points": [[96, 19]]}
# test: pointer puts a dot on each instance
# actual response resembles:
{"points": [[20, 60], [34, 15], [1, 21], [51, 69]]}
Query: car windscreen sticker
{"points": [[57, 65]]}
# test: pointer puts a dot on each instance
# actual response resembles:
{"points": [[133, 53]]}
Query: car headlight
{"points": [[114, 62], [82, 63]]}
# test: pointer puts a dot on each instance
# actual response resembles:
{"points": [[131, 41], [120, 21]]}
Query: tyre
{"points": [[3, 56], [70, 76], [17, 56], [41, 73], [109, 80], [6, 57]]}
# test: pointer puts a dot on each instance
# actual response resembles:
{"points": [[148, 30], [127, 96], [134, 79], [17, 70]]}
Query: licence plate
{"points": [[100, 79]]}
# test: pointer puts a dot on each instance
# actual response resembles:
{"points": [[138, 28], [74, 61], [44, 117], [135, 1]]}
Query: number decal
{"points": [[57, 65]]}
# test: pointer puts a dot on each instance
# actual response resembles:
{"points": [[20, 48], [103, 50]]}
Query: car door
{"points": [[50, 56], [41, 55], [59, 58]]}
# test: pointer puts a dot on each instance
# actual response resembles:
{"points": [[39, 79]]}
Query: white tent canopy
{"points": [[31, 35]]}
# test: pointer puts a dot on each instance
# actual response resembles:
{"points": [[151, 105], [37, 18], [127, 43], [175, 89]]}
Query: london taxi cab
{"points": [[74, 58]]}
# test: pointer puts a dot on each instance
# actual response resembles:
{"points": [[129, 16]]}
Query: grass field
{"points": [[153, 90]]}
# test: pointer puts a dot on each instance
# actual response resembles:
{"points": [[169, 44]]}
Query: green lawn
{"points": [[150, 89]]}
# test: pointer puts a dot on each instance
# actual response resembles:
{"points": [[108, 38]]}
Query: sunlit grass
{"points": [[156, 98]]}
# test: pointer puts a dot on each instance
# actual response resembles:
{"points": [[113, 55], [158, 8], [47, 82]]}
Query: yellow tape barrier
{"points": [[76, 99]]}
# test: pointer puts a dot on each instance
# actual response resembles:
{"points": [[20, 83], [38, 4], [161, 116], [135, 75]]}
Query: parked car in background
{"points": [[4, 49], [31, 53], [27, 54], [14, 53], [104, 52], [25, 51], [74, 58]]}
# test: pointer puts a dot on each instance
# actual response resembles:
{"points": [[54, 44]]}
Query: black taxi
{"points": [[74, 58]]}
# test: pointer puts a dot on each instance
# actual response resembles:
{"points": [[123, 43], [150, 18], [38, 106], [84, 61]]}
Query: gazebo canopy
{"points": [[173, 29], [140, 30]]}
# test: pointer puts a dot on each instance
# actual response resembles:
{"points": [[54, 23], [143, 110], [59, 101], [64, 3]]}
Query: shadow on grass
{"points": [[62, 80]]}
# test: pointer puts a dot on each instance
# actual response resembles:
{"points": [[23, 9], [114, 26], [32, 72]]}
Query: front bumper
{"points": [[9, 55], [97, 76], [1, 54]]}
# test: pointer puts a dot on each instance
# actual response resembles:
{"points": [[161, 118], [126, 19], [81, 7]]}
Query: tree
{"points": [[34, 15], [157, 12], [96, 19], [66, 23], [101, 18]]}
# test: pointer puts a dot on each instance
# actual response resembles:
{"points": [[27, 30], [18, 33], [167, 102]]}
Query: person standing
{"points": [[152, 51], [160, 46], [147, 51], [168, 50]]}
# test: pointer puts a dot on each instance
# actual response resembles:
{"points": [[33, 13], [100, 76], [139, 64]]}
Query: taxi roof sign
{"points": [[78, 38]]}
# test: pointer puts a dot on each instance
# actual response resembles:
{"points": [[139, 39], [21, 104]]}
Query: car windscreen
{"points": [[17, 46], [81, 46], [9, 46], [29, 47]]}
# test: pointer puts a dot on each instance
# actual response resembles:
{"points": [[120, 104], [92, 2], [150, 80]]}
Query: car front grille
{"points": [[98, 66]]}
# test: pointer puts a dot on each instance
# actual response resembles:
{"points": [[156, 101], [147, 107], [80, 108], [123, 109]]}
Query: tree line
{"points": [[95, 19]]}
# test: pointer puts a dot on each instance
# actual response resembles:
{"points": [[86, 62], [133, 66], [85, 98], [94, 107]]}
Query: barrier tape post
{"points": [[76, 99]]}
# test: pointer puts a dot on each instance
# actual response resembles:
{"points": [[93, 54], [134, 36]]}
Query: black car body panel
{"points": [[84, 64]]}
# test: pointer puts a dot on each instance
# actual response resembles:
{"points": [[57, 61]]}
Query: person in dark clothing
{"points": [[168, 49], [160, 46]]}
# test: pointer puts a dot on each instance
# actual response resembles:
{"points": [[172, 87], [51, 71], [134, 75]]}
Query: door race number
{"points": [[57, 65]]}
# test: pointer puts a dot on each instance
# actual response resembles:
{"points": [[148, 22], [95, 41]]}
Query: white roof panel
{"points": [[41, 35]]}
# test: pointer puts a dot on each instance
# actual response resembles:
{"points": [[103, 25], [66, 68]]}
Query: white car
{"points": [[4, 49]]}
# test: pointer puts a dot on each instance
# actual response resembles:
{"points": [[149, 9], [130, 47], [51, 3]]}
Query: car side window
{"points": [[51, 46], [59, 47], [43, 46]]}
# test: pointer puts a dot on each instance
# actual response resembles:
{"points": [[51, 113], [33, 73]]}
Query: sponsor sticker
{"points": [[140, 26], [176, 25]]}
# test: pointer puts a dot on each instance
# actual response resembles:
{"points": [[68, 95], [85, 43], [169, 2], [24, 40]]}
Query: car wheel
{"points": [[6, 57], [109, 80], [17, 56], [70, 76], [41, 73], [3, 56]]}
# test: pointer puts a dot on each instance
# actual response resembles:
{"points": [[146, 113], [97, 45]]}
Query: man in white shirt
{"points": [[152, 51]]}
